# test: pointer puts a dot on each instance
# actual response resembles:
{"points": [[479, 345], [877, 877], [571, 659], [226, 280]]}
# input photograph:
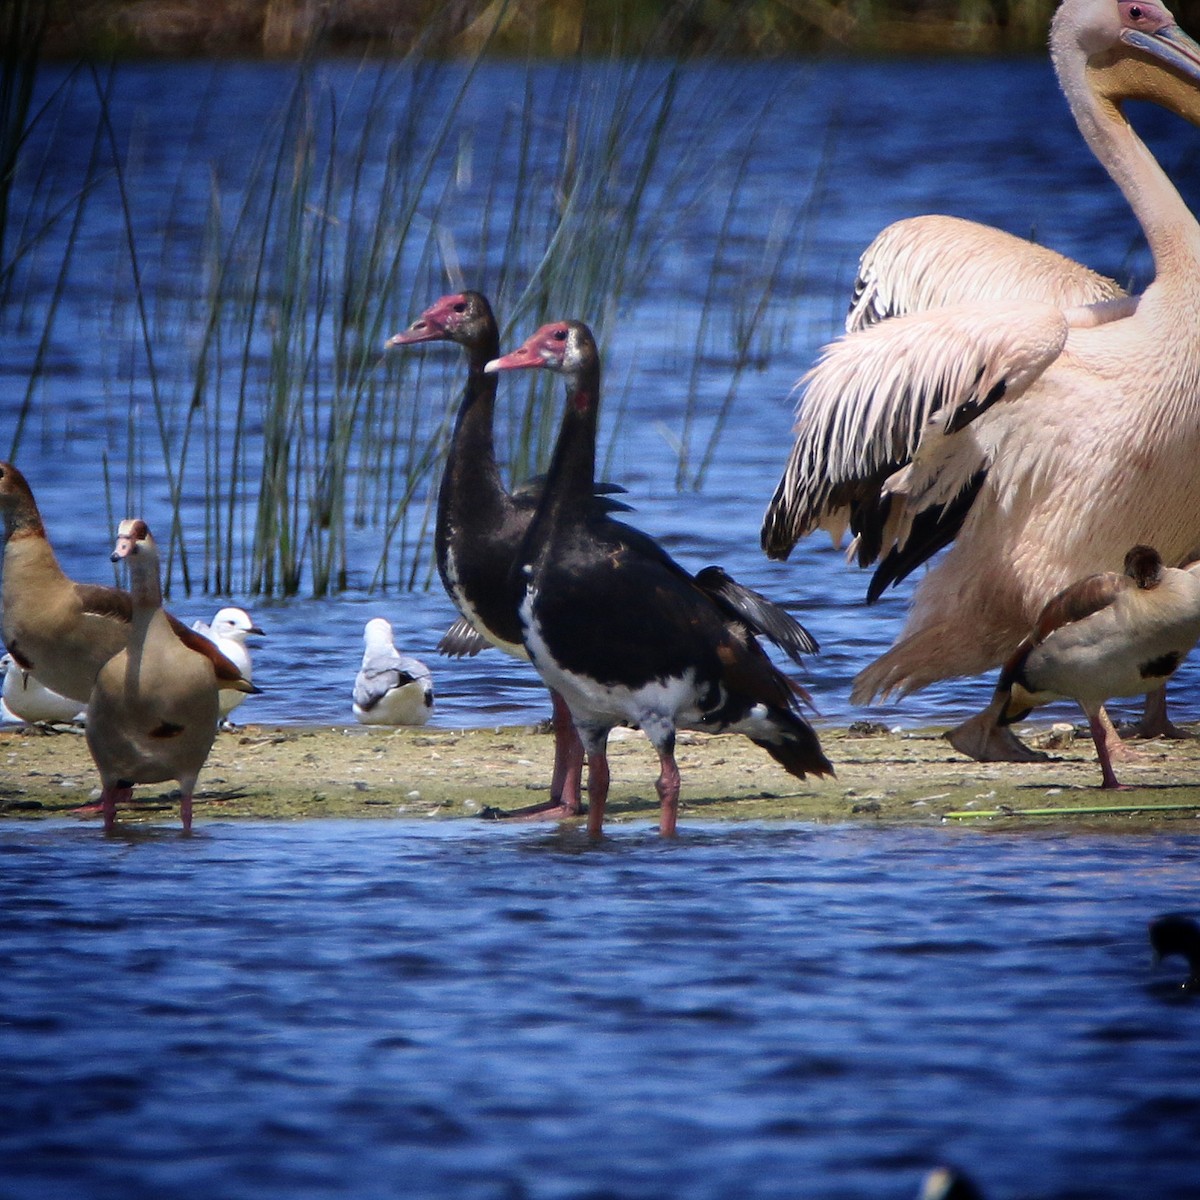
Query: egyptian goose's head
{"points": [[134, 539]]}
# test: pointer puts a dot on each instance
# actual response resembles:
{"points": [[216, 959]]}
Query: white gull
{"points": [[391, 688]]}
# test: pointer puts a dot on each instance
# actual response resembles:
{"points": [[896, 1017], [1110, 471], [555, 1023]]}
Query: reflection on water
{"points": [[387, 1009]]}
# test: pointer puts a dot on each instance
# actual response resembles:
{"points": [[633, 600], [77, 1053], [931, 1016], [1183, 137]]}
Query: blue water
{"points": [[839, 151], [398, 1009], [450, 1010]]}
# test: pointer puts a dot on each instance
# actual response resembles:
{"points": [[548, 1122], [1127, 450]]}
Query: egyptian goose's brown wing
{"points": [[1075, 603], [227, 673], [96, 600]]}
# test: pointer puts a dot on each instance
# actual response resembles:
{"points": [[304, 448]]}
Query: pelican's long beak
{"points": [[1169, 46]]}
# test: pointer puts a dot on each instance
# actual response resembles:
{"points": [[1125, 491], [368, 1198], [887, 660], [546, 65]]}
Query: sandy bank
{"points": [[285, 773]]}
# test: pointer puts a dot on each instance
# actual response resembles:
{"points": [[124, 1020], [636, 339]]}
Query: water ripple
{"points": [[310, 1010]]}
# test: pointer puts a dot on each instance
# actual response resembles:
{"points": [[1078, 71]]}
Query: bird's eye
{"points": [[460, 307], [560, 335], [1135, 13]]}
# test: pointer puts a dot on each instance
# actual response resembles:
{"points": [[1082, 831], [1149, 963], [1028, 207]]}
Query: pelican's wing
{"points": [[874, 397], [923, 263]]}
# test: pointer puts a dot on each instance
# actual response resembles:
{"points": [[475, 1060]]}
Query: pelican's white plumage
{"points": [[932, 261], [860, 394], [1087, 450]]}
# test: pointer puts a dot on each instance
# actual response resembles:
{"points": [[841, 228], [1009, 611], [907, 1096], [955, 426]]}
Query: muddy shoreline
{"points": [[295, 772]]}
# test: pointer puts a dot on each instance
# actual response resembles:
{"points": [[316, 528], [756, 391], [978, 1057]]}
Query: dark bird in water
{"points": [[480, 524], [946, 1183], [1175, 933]]}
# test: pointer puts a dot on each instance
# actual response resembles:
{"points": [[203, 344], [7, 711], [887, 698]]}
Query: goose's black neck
{"points": [[570, 480], [472, 476]]}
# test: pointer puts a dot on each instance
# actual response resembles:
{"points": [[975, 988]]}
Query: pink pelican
{"points": [[1042, 435]]}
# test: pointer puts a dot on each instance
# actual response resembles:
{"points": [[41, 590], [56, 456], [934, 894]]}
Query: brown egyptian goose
{"points": [[1106, 635], [60, 631], [152, 715]]}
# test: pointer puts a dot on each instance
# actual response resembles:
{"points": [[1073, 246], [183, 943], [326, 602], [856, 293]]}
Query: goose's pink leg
{"points": [[597, 792], [566, 798], [668, 793], [568, 760], [1100, 736]]}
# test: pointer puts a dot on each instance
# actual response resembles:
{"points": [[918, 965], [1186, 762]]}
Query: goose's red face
{"points": [[546, 348], [450, 319]]}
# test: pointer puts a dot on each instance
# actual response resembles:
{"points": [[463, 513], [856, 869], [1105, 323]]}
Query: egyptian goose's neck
{"points": [[28, 556], [23, 521], [144, 584]]}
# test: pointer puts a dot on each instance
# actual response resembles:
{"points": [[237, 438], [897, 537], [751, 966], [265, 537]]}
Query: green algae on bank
{"points": [[299, 772]]}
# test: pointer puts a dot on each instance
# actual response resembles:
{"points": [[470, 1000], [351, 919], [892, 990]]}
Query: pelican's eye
{"points": [[1146, 17]]}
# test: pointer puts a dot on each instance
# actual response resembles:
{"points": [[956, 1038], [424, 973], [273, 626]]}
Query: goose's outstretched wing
{"points": [[461, 640]]}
